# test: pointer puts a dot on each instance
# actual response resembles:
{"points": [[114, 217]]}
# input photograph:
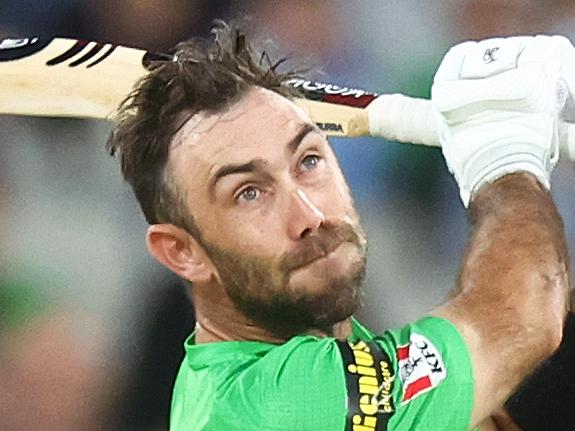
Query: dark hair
{"points": [[204, 75]]}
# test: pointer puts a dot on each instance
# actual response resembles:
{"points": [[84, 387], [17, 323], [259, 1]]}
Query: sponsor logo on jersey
{"points": [[421, 367], [369, 380]]}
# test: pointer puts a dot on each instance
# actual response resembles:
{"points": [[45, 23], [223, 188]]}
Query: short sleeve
{"points": [[433, 376], [415, 378]]}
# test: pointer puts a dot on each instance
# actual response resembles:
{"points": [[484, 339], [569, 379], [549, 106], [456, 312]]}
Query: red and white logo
{"points": [[420, 365]]}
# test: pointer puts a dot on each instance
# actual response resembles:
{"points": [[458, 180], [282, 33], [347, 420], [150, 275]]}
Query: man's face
{"points": [[275, 212]]}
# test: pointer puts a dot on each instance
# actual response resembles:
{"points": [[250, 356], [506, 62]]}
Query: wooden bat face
{"points": [[62, 77], [66, 77]]}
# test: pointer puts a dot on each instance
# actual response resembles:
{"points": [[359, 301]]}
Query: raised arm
{"points": [[513, 285], [499, 141]]}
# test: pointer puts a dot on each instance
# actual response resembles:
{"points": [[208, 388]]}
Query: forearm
{"points": [[499, 421], [512, 286], [516, 265], [498, 121]]}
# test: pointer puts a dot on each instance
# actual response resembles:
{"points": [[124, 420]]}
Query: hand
{"points": [[499, 101]]}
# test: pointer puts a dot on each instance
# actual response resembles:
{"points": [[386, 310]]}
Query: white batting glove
{"points": [[499, 101]]}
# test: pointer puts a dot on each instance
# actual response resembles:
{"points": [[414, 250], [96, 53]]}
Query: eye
{"points": [[249, 193], [310, 162]]}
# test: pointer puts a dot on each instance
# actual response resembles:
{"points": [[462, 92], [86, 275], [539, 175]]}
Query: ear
{"points": [[179, 251]]}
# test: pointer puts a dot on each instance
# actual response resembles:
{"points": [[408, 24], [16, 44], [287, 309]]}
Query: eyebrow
{"points": [[259, 164], [242, 168], [293, 144]]}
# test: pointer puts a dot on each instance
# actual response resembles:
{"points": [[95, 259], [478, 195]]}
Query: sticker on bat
{"points": [[331, 93], [330, 127], [320, 87], [17, 43], [15, 49]]}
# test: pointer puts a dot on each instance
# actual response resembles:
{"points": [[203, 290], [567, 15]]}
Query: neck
{"points": [[218, 319]]}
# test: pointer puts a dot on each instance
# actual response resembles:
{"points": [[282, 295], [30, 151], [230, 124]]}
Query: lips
{"points": [[326, 252]]}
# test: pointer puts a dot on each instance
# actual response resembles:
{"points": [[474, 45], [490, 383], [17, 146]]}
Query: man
{"points": [[247, 203]]}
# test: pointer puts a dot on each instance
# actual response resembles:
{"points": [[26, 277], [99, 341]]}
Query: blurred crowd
{"points": [[91, 327]]}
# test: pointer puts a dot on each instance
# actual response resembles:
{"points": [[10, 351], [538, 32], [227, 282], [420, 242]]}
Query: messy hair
{"points": [[204, 74]]}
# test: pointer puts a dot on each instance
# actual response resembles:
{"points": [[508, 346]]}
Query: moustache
{"points": [[329, 236]]}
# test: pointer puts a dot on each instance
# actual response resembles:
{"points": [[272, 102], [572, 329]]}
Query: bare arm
{"points": [[499, 421], [512, 287]]}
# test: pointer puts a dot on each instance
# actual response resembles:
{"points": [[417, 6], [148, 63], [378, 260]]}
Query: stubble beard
{"points": [[260, 287]]}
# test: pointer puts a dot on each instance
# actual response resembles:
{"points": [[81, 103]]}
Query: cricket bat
{"points": [[62, 77]]}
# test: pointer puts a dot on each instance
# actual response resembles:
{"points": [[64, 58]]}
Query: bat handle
{"points": [[568, 145], [400, 118], [396, 117]]}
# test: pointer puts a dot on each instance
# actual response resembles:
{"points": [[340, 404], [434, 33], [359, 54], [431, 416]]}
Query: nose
{"points": [[305, 218]]}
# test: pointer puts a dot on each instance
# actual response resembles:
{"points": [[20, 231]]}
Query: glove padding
{"points": [[499, 101]]}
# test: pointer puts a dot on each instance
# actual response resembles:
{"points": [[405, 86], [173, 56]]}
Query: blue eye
{"points": [[250, 193], [310, 162]]}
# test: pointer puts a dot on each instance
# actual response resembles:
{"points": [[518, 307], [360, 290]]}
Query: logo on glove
{"points": [[489, 56]]}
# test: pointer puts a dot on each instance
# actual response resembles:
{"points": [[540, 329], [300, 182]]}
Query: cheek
{"points": [[336, 182], [335, 193], [344, 193], [251, 235]]}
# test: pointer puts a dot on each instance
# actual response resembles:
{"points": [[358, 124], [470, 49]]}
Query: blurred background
{"points": [[91, 327]]}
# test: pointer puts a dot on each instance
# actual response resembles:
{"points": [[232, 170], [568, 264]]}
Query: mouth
{"points": [[326, 254], [321, 247]]}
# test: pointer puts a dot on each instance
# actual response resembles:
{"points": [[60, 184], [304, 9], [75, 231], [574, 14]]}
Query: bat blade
{"points": [[62, 77], [66, 77]]}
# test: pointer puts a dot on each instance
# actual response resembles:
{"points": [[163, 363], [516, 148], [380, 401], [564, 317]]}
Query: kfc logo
{"points": [[420, 366]]}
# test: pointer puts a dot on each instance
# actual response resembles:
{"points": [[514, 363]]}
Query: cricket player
{"points": [[247, 203]]}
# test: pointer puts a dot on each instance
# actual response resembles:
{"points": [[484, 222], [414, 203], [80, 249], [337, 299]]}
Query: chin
{"points": [[334, 298], [315, 296]]}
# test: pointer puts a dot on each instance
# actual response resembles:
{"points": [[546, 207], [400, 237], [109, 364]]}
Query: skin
{"points": [[512, 288], [290, 215], [510, 300], [501, 420]]}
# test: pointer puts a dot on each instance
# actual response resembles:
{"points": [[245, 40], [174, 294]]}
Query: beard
{"points": [[260, 286]]}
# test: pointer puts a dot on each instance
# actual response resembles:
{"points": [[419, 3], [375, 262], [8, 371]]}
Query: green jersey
{"points": [[416, 378]]}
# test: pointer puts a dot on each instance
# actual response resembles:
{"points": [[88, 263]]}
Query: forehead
{"points": [[259, 125]]}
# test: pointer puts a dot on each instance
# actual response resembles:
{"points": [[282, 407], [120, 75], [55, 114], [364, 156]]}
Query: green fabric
{"points": [[20, 301], [308, 383], [448, 405]]}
